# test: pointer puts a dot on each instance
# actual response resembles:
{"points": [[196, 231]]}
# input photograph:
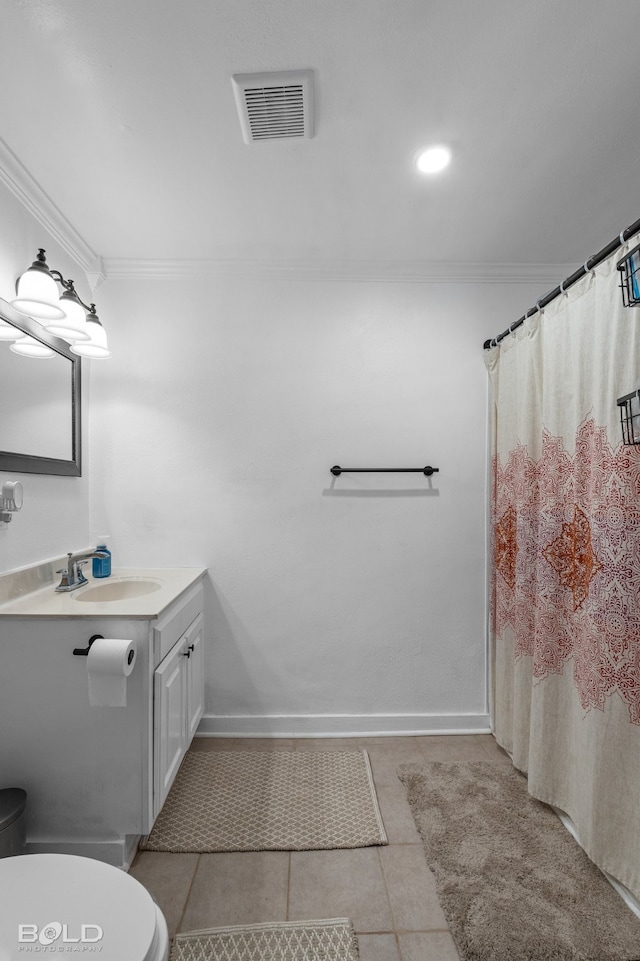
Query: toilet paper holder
{"points": [[84, 651]]}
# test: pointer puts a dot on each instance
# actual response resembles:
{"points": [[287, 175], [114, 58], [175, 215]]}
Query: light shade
{"points": [[37, 292], [73, 325], [30, 347], [96, 348], [8, 332]]}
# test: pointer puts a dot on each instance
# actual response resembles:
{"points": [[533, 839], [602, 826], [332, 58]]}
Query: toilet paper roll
{"points": [[109, 663]]}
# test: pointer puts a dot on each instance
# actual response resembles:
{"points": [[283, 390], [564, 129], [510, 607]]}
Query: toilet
{"points": [[52, 904]]}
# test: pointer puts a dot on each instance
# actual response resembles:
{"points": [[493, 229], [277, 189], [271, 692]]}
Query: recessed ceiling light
{"points": [[433, 160]]}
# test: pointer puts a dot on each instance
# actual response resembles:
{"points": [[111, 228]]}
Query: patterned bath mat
{"points": [[332, 940], [512, 882], [269, 801]]}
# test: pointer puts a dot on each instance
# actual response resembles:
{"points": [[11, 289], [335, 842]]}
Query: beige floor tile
{"points": [[492, 749], [388, 892], [389, 753], [412, 889], [428, 946], [340, 884], [243, 888], [396, 814], [167, 877], [400, 747], [378, 947]]}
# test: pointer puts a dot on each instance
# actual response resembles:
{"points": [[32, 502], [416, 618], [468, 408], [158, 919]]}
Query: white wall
{"points": [[213, 430], [350, 604], [55, 516]]}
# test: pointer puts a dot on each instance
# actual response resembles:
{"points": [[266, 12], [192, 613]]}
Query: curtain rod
{"points": [[560, 289]]}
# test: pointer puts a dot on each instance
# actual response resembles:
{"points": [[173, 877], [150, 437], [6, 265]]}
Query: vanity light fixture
{"points": [[63, 315]]}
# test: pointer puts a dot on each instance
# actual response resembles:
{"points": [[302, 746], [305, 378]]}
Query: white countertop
{"points": [[45, 602]]}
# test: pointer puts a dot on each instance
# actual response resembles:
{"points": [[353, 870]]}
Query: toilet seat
{"points": [[59, 905]]}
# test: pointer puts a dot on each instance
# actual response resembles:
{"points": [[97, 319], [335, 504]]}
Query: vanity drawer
{"points": [[170, 629]]}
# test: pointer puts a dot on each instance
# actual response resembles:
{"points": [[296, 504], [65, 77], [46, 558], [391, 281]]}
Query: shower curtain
{"points": [[565, 571]]}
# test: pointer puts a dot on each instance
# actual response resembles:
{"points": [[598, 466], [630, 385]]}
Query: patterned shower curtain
{"points": [[565, 579]]}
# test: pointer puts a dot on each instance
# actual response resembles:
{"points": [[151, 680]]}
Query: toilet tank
{"points": [[13, 801]]}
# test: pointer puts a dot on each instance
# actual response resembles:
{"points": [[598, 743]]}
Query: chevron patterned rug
{"points": [[269, 801], [332, 940]]}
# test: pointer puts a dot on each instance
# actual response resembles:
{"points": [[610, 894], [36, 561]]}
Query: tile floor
{"points": [[388, 892]]}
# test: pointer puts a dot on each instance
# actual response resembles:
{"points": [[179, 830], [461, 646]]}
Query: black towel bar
{"points": [[427, 471]]}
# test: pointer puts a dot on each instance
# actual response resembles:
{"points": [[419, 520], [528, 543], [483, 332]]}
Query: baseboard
{"points": [[118, 853], [341, 725]]}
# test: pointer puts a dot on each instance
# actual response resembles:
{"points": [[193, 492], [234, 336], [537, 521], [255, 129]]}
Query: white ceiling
{"points": [[123, 112]]}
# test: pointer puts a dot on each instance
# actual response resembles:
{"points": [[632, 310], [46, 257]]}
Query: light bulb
{"points": [[433, 160]]}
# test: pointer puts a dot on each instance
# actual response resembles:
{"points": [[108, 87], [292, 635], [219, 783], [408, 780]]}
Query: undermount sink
{"points": [[118, 589]]}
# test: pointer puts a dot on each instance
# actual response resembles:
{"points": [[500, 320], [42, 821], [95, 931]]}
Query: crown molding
{"points": [[420, 272], [15, 176], [31, 195]]}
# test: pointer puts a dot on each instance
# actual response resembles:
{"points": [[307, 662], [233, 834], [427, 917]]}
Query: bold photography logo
{"points": [[54, 932]]}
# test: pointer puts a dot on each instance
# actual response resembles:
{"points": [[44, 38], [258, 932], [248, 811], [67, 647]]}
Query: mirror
{"points": [[40, 404]]}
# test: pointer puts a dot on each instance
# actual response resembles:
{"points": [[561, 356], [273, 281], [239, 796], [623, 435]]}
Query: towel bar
{"points": [[427, 471]]}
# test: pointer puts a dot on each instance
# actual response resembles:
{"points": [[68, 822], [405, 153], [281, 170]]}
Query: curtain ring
{"points": [[621, 238], [585, 266], [494, 343]]}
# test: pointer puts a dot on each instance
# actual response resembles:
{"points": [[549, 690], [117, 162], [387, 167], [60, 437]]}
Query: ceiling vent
{"points": [[274, 106]]}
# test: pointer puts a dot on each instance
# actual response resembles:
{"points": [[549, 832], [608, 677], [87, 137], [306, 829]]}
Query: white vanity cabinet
{"points": [[178, 704], [96, 776]]}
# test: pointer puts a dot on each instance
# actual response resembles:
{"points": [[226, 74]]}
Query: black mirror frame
{"points": [[31, 463]]}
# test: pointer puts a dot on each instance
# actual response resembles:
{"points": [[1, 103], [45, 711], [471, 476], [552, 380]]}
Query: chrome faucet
{"points": [[73, 575]]}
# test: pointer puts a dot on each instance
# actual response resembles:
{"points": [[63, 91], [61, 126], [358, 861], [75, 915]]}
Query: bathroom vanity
{"points": [[96, 776]]}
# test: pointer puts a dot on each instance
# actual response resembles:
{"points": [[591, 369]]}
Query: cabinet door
{"points": [[169, 736], [195, 677]]}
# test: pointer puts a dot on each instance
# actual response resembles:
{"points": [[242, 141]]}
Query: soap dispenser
{"points": [[101, 566]]}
